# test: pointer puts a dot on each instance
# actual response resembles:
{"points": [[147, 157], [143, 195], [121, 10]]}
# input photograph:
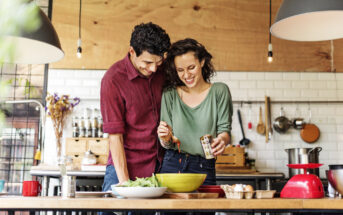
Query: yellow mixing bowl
{"points": [[181, 182]]}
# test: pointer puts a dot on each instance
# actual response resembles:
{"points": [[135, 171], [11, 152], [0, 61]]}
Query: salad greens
{"points": [[142, 182]]}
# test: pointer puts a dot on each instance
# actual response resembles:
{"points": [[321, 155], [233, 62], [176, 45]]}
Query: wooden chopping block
{"points": [[191, 195]]}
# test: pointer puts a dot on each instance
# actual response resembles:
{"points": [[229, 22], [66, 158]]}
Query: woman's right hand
{"points": [[165, 133]]}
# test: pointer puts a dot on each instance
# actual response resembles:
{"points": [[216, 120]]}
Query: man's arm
{"points": [[118, 156]]}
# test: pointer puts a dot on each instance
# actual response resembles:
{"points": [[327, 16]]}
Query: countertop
{"points": [[222, 204]]}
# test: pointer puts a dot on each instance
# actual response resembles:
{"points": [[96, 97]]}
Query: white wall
{"points": [[270, 157]]}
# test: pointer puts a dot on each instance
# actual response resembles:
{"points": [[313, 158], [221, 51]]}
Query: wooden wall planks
{"points": [[234, 31]]}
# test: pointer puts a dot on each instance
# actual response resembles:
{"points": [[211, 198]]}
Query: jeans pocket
{"points": [[207, 164], [168, 155]]}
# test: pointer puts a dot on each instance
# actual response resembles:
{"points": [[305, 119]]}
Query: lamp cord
{"points": [[270, 20], [80, 19]]}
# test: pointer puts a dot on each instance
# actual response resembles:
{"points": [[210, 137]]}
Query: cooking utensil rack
{"points": [[287, 102]]}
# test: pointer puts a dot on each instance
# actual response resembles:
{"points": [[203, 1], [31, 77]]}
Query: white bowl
{"points": [[138, 192]]}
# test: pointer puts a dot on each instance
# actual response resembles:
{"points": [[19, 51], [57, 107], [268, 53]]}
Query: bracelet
{"points": [[166, 145]]}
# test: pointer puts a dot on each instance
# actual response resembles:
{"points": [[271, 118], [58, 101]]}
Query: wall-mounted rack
{"points": [[287, 102]]}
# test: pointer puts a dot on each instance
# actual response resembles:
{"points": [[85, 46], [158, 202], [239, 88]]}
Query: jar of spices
{"points": [[76, 131]]}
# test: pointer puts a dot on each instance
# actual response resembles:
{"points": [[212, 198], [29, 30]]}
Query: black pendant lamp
{"points": [[39, 47], [309, 20]]}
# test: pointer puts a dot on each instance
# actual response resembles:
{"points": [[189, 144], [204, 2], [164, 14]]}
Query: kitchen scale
{"points": [[303, 186]]}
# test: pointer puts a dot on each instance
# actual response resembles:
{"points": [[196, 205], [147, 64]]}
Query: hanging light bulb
{"points": [[270, 53], [270, 46], [79, 47]]}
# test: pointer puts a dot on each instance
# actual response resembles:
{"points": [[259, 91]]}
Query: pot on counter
{"points": [[296, 156]]}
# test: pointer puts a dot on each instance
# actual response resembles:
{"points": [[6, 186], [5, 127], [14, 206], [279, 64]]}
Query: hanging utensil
{"points": [[260, 128], [243, 141], [250, 123], [270, 129], [266, 107], [281, 124], [310, 133]]}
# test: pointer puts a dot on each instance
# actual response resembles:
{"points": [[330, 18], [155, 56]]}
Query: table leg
{"points": [[45, 185], [268, 184]]}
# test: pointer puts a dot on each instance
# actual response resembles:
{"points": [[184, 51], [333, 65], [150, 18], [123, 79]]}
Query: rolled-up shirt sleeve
{"points": [[112, 107]]}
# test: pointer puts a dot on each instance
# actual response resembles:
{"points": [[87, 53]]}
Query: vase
{"points": [[59, 147]]}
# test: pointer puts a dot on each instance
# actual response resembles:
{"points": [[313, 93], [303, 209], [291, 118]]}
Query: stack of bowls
{"points": [[335, 177]]}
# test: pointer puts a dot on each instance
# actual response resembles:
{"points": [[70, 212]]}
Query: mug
{"points": [[31, 188], [2, 185]]}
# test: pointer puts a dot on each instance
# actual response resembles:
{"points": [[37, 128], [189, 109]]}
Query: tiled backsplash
{"points": [[245, 86]]}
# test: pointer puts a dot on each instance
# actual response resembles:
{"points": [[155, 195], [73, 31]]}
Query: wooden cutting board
{"points": [[191, 195]]}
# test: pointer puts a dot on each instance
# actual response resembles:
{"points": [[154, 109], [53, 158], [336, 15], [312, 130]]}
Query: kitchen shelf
{"points": [[287, 102]]}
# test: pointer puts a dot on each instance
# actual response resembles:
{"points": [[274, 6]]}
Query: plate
{"points": [[139, 192], [92, 194]]}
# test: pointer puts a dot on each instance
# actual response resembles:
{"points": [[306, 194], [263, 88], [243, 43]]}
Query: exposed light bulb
{"points": [[79, 48], [270, 53]]}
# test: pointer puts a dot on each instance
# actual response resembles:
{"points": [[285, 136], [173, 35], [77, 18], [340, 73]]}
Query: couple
{"points": [[156, 91]]}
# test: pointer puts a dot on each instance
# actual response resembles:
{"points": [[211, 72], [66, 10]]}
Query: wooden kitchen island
{"points": [[11, 204]]}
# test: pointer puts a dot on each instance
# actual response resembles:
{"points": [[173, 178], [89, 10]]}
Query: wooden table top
{"points": [[11, 202]]}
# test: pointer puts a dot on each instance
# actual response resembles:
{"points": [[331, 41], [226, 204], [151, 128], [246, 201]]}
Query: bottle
{"points": [[100, 124], [75, 121], [76, 131], [82, 127]]}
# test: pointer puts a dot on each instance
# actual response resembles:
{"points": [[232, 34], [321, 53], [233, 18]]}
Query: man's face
{"points": [[146, 63]]}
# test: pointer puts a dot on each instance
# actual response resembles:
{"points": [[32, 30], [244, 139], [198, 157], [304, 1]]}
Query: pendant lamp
{"points": [[39, 47], [309, 20]]}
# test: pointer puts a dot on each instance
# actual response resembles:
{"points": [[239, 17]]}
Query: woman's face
{"points": [[188, 68]]}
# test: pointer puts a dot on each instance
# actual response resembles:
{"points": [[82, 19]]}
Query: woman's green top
{"points": [[212, 116]]}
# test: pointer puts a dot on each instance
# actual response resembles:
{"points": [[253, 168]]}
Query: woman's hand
{"points": [[219, 143], [164, 133], [218, 146]]}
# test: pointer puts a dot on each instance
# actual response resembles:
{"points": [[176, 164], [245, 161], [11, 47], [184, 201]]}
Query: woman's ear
{"points": [[202, 63]]}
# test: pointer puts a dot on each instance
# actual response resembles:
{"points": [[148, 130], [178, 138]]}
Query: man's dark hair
{"points": [[182, 47], [151, 38]]}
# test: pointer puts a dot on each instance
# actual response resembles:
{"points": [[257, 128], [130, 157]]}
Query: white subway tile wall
{"points": [[245, 86]]}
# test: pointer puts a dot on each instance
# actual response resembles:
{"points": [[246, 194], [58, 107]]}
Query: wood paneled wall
{"points": [[234, 31]]}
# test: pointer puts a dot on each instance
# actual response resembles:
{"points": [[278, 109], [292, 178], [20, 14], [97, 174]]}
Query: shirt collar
{"points": [[132, 72]]}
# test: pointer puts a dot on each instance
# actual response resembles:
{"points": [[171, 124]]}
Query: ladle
{"points": [[243, 141]]}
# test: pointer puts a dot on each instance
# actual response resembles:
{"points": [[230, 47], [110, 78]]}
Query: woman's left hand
{"points": [[218, 145]]}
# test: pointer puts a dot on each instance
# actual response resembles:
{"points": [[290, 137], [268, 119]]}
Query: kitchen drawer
{"points": [[99, 147], [76, 148]]}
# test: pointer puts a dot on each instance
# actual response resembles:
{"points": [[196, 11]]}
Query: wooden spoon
{"points": [[260, 128]]}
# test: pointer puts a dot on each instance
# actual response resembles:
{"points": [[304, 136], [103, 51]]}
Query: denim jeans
{"points": [[110, 179], [189, 164]]}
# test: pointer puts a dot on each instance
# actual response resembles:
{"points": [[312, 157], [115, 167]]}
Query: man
{"points": [[130, 100]]}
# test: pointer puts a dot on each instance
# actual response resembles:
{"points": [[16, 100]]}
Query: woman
{"points": [[193, 107]]}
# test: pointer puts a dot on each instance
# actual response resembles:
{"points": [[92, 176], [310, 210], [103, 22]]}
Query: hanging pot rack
{"points": [[287, 102]]}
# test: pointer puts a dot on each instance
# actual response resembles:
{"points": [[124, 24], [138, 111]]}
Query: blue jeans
{"points": [[110, 179], [189, 164]]}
